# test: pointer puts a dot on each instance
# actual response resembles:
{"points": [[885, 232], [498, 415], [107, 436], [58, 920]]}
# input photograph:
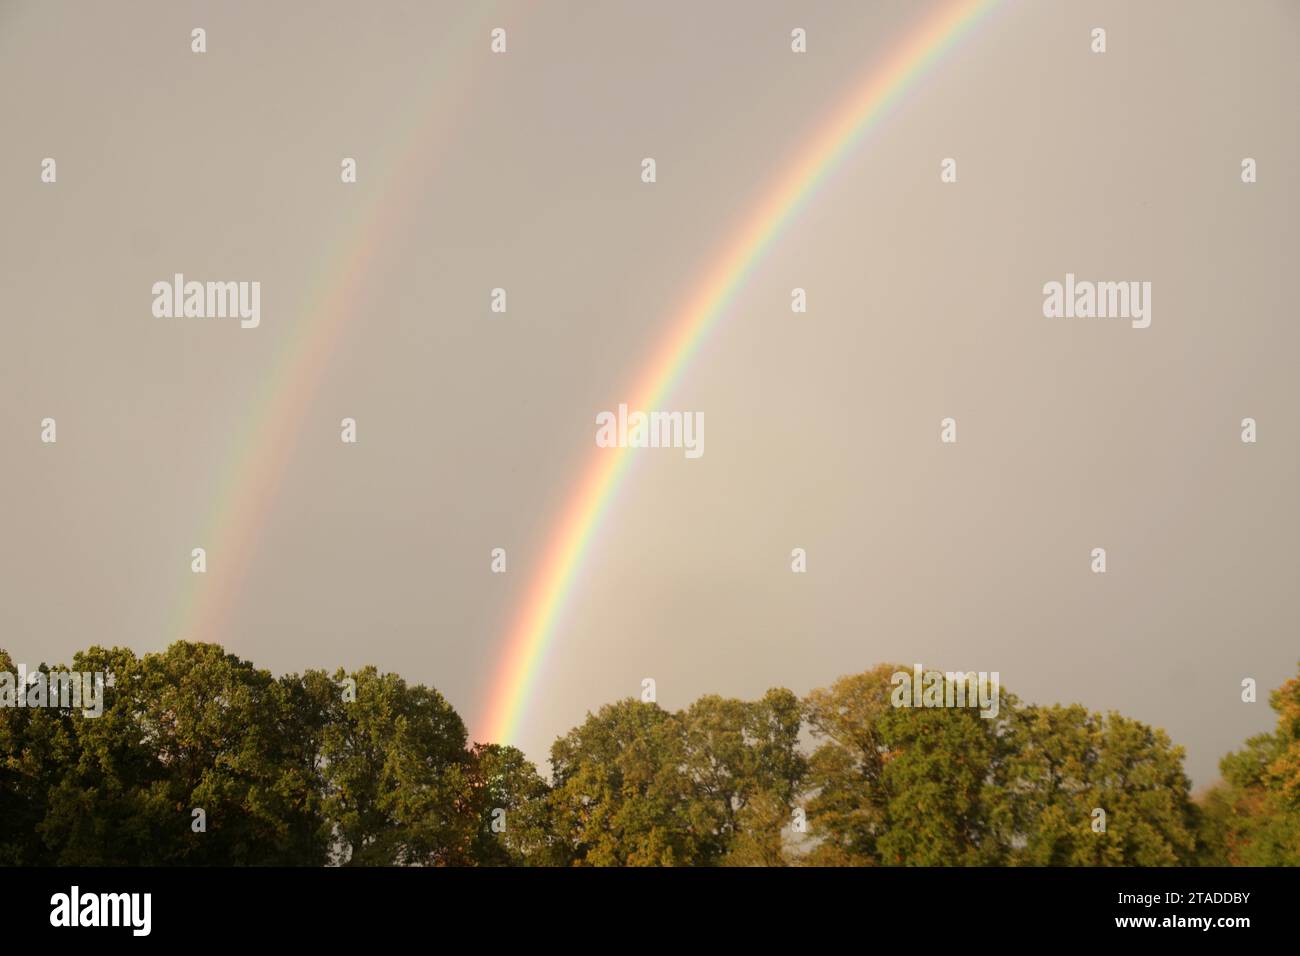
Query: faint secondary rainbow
{"points": [[261, 451], [883, 87]]}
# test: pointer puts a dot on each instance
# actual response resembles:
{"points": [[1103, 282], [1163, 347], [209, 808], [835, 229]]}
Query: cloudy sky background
{"points": [[522, 171]]}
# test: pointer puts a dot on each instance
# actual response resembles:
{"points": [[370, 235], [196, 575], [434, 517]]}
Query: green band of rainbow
{"points": [[535, 628]]}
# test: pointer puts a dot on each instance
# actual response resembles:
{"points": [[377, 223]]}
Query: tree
{"points": [[200, 758], [1253, 818], [635, 785], [36, 748], [189, 763], [1088, 790], [946, 786], [510, 799], [398, 787], [743, 772], [109, 806], [902, 785], [365, 769], [617, 797]]}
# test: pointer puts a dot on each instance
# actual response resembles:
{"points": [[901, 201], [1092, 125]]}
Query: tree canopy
{"points": [[1253, 817], [201, 758]]}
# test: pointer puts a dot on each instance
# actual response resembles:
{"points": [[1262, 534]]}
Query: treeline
{"points": [[200, 758]]}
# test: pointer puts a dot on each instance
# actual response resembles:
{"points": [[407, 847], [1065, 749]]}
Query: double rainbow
{"points": [[247, 490]]}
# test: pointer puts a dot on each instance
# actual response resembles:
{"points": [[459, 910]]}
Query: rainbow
{"points": [[258, 455], [884, 86]]}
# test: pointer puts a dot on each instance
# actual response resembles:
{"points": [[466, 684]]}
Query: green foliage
{"points": [[616, 799], [364, 769], [189, 728], [1068, 763], [397, 777], [714, 784], [284, 772], [1253, 818], [946, 786], [36, 750], [902, 786], [510, 799], [742, 774]]}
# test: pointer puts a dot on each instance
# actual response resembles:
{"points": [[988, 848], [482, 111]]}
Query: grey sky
{"points": [[522, 171]]}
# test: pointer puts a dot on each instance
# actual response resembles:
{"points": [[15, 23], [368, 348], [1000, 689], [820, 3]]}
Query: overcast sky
{"points": [[522, 171]]}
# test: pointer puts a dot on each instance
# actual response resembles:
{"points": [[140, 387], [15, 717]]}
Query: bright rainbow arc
{"points": [[885, 85]]}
